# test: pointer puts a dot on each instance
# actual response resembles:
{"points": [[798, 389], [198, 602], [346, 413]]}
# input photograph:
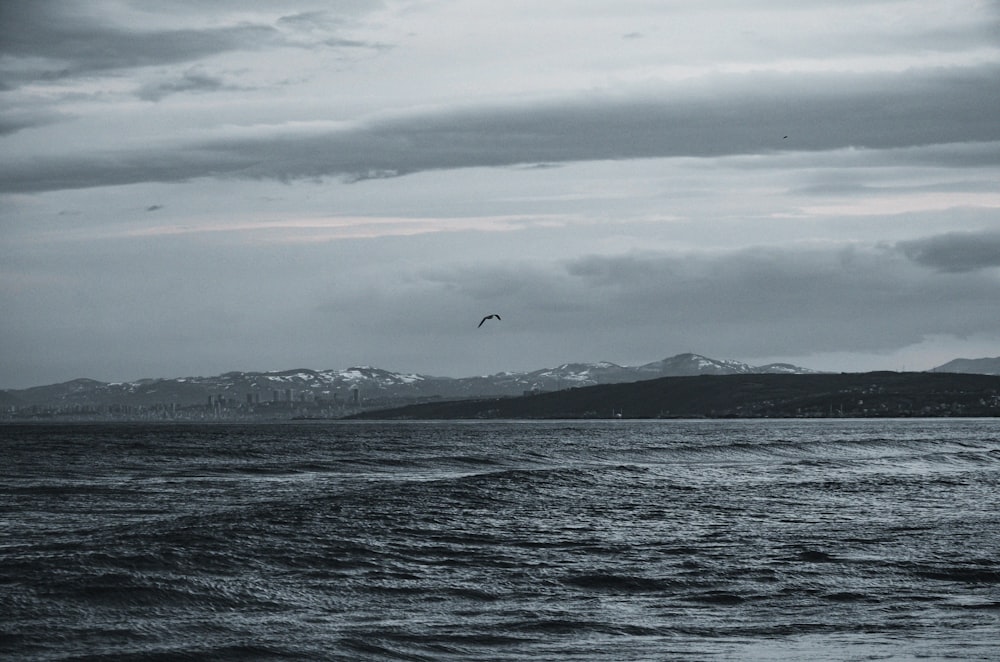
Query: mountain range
{"points": [[365, 384], [369, 387]]}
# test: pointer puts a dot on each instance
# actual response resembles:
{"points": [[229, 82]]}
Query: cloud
{"points": [[75, 44], [46, 40], [13, 122], [720, 116], [319, 25], [955, 252], [763, 301], [189, 81]]}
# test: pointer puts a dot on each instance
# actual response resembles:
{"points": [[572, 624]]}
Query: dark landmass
{"points": [[872, 394]]}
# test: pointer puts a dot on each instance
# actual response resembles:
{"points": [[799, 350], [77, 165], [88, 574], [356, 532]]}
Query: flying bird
{"points": [[488, 317]]}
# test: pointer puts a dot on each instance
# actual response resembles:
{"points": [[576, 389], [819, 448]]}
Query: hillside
{"points": [[971, 366], [887, 394]]}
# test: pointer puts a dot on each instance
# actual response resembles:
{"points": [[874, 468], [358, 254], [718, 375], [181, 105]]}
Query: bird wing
{"points": [[482, 320]]}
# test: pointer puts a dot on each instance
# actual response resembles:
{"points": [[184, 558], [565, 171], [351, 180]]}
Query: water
{"points": [[617, 540]]}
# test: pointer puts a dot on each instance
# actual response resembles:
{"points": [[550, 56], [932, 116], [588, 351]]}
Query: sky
{"points": [[190, 188]]}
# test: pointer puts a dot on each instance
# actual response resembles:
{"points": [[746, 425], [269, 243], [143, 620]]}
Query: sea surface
{"points": [[607, 540]]}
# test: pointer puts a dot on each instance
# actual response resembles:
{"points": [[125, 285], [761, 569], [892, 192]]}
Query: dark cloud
{"points": [[72, 43], [540, 166], [751, 302], [111, 169], [13, 125], [13, 122], [309, 20], [189, 81], [955, 252], [734, 115], [780, 301], [76, 44]]}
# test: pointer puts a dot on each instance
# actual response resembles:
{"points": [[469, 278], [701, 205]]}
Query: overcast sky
{"points": [[189, 187]]}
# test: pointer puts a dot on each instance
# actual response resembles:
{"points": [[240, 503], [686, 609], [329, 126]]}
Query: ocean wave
{"points": [[498, 541]]}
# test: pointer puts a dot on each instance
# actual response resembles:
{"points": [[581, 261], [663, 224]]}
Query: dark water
{"points": [[752, 540]]}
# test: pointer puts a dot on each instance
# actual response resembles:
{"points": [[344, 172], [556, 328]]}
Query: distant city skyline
{"points": [[195, 188]]}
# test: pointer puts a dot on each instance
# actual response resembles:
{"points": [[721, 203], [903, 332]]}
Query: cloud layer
{"points": [[198, 187], [738, 115]]}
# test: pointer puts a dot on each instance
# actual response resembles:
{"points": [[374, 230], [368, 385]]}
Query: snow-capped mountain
{"points": [[683, 365], [569, 375], [361, 385], [302, 385]]}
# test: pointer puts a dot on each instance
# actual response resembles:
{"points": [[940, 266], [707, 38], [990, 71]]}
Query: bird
{"points": [[488, 317]]}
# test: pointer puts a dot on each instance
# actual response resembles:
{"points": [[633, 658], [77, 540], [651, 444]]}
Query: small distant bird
{"points": [[488, 317], [784, 137]]}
